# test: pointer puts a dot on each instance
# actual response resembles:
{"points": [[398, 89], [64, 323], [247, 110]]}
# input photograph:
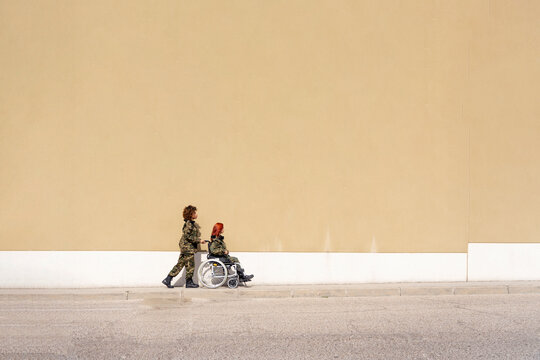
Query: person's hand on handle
{"points": [[226, 252]]}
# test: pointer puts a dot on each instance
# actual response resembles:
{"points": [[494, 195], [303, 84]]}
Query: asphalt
{"points": [[278, 291], [456, 321]]}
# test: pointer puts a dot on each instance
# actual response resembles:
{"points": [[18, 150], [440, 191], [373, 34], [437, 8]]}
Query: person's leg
{"points": [[240, 270], [190, 269], [234, 260], [174, 271], [178, 267]]}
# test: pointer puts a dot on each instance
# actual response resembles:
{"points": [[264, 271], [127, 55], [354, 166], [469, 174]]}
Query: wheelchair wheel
{"points": [[212, 273], [232, 283]]}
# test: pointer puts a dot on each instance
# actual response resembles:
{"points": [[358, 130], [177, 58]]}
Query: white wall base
{"points": [[491, 261], [484, 262], [350, 268], [73, 269], [59, 269]]}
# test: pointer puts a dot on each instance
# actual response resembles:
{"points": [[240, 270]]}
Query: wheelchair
{"points": [[215, 271]]}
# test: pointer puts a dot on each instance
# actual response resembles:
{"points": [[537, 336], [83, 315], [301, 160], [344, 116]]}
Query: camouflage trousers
{"points": [[187, 260]]}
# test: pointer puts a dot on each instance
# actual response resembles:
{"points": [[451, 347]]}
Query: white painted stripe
{"points": [[492, 261], [60, 269]]}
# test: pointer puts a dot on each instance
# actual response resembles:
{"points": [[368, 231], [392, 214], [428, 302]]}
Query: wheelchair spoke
{"points": [[212, 274]]}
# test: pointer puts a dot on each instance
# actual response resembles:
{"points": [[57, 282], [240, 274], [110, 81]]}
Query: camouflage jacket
{"points": [[217, 247], [191, 237]]}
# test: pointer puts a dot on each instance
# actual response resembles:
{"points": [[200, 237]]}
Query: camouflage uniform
{"points": [[218, 248], [191, 237]]}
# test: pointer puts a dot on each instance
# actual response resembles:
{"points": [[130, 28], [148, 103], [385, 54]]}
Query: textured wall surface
{"points": [[304, 126]]}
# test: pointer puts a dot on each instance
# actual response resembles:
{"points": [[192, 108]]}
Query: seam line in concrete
{"points": [[316, 291]]}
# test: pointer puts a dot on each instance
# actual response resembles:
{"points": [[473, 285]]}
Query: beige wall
{"points": [[391, 126], [504, 113]]}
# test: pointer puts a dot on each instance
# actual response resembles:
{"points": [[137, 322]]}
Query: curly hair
{"points": [[188, 212]]}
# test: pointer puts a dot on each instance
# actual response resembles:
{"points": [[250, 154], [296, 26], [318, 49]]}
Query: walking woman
{"points": [[191, 237]]}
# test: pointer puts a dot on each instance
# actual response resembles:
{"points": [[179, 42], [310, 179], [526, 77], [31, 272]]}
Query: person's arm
{"points": [[217, 249], [225, 251], [193, 234]]}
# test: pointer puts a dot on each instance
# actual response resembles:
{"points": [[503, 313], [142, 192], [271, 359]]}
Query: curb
{"points": [[265, 292]]}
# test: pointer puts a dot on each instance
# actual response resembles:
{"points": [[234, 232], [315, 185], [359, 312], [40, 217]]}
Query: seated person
{"points": [[217, 247]]}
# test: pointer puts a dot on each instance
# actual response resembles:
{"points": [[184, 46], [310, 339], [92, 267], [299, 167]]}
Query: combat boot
{"points": [[167, 282], [241, 275], [246, 278], [191, 284]]}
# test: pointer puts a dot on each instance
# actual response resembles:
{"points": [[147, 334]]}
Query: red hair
{"points": [[217, 229]]}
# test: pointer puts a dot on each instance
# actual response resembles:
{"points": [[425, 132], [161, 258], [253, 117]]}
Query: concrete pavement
{"points": [[282, 291], [159, 326]]}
